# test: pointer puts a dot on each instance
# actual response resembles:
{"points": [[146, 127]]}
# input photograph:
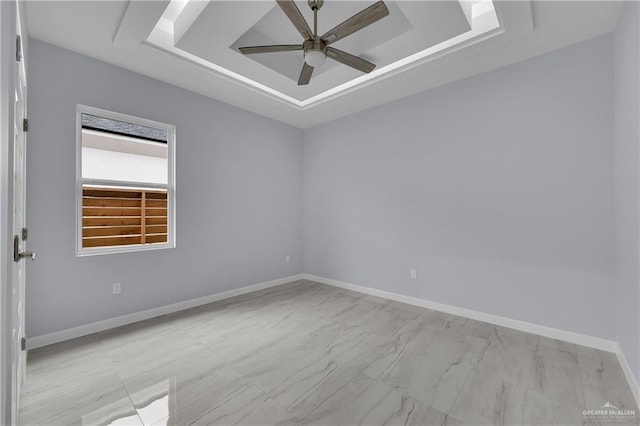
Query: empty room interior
{"points": [[322, 212]]}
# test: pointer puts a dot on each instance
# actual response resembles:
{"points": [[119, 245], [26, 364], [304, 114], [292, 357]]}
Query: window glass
{"points": [[125, 183]]}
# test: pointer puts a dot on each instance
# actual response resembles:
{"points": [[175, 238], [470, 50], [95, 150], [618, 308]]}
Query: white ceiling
{"points": [[420, 45]]}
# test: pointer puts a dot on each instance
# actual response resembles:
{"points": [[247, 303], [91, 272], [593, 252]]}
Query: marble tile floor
{"points": [[307, 353]]}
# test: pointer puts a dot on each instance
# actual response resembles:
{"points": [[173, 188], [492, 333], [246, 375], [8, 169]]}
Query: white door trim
{"points": [[7, 40]]}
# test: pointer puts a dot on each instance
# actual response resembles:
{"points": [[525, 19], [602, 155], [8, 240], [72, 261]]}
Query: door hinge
{"points": [[16, 249], [25, 124], [23, 344], [18, 49], [25, 234]]}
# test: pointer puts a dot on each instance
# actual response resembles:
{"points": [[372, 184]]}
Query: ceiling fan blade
{"points": [[350, 60], [270, 49], [305, 75], [293, 13], [357, 22]]}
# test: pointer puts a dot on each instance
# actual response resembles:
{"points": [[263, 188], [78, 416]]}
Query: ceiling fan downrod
{"points": [[315, 5]]}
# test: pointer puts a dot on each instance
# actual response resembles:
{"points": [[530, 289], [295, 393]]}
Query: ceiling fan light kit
{"points": [[315, 58], [315, 52], [316, 49]]}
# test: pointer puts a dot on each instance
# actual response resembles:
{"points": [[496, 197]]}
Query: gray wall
{"points": [[627, 181], [238, 196], [497, 189]]}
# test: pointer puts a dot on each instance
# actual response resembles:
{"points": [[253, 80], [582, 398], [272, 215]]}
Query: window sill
{"points": [[123, 249]]}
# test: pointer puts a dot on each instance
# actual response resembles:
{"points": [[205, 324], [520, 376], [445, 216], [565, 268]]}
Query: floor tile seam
{"points": [[124, 387], [209, 409], [117, 386], [226, 363], [392, 333], [469, 361], [158, 333], [466, 381], [624, 384], [234, 368], [89, 383], [584, 398], [611, 365], [453, 404], [266, 394], [75, 387], [242, 379], [195, 401], [528, 388], [359, 372], [245, 382], [405, 392]]}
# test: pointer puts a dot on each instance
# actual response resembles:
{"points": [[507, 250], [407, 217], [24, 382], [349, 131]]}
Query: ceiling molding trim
{"points": [[228, 75], [138, 20], [488, 23]]}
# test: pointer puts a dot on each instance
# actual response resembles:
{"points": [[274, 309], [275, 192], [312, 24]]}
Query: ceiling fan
{"points": [[316, 49]]}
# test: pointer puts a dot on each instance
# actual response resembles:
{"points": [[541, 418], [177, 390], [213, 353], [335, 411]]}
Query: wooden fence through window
{"points": [[117, 217]]}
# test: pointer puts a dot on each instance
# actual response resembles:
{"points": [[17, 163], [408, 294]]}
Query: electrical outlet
{"points": [[117, 288], [287, 259], [413, 274]]}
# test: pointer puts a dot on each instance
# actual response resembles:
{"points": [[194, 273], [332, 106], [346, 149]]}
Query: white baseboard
{"points": [[554, 333], [631, 379], [84, 330]]}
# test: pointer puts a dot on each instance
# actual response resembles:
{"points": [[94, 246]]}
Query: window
{"points": [[125, 183]]}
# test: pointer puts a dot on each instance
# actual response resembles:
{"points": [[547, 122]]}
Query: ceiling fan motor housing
{"points": [[315, 44]]}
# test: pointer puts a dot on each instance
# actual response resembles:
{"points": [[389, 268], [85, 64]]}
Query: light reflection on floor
{"points": [[158, 409], [155, 412]]}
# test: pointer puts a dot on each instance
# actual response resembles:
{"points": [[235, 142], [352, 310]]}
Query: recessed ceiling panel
{"points": [[223, 27], [269, 30]]}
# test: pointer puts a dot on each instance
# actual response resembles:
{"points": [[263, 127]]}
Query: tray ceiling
{"points": [[213, 32], [420, 45], [388, 40]]}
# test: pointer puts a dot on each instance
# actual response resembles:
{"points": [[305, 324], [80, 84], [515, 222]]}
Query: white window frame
{"points": [[170, 186]]}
